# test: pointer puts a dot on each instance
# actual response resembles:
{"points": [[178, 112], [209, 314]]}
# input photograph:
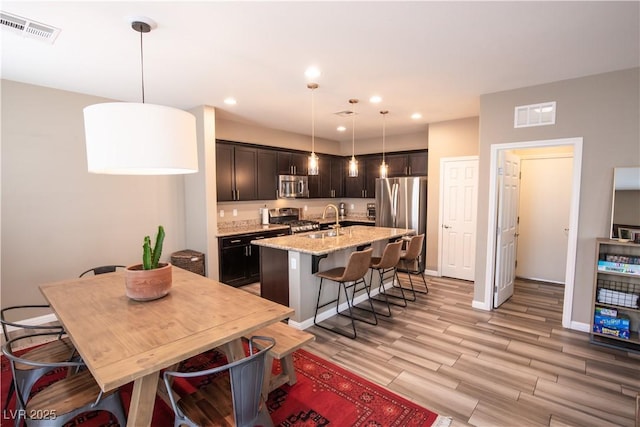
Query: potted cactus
{"points": [[151, 279]]}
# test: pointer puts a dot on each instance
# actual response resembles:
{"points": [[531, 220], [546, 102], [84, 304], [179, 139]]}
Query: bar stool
{"points": [[386, 265], [411, 256], [354, 272]]}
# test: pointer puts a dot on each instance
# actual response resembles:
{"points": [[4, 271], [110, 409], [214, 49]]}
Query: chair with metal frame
{"points": [[210, 405], [63, 400], [409, 257], [102, 269], [354, 273], [385, 265], [60, 349]]}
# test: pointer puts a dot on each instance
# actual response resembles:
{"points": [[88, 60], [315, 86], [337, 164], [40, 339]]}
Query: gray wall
{"points": [[604, 110], [59, 220]]}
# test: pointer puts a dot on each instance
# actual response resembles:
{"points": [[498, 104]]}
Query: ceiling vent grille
{"points": [[28, 28], [535, 115]]}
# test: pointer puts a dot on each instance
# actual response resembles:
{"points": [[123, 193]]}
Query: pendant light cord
{"points": [[313, 122], [142, 66]]}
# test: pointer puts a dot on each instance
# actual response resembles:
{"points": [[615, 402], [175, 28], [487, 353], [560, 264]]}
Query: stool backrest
{"points": [[414, 248], [357, 266], [390, 255]]}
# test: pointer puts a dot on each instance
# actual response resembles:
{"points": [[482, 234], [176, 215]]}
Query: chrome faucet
{"points": [[324, 214]]}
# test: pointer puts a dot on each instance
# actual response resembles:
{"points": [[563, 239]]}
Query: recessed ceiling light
{"points": [[416, 116], [312, 72], [230, 101], [375, 99], [341, 128]]}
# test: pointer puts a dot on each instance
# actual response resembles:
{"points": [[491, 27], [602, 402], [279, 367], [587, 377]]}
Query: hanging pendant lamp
{"points": [[126, 138], [312, 167], [353, 163], [384, 168]]}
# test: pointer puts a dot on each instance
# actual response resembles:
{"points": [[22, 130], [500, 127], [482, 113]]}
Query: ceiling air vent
{"points": [[535, 115], [28, 28]]}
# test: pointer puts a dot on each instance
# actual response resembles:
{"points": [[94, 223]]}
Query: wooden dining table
{"points": [[122, 340]]}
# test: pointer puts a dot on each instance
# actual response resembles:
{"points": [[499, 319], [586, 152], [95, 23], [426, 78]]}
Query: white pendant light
{"points": [[312, 167], [353, 163], [124, 138], [384, 168]]}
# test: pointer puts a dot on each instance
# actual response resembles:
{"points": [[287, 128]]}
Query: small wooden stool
{"points": [[288, 340]]}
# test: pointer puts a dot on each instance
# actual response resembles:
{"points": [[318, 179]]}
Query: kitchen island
{"points": [[288, 265]]}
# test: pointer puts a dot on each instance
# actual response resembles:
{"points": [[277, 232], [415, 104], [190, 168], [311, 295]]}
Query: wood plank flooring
{"points": [[515, 366]]}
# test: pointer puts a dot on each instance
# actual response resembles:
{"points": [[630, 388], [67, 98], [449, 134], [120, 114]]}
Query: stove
{"points": [[291, 217]]}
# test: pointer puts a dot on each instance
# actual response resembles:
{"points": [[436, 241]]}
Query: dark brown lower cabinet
{"points": [[239, 260], [274, 275]]}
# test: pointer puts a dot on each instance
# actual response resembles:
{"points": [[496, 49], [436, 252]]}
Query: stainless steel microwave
{"points": [[293, 186]]}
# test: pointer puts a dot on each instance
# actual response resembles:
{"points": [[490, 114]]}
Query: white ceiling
{"points": [[435, 58]]}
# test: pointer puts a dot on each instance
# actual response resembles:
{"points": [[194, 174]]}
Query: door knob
{"points": [[446, 226]]}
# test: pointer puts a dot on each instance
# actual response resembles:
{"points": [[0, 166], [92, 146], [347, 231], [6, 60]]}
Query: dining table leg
{"points": [[143, 399]]}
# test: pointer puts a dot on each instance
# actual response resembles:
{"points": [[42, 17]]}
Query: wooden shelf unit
{"points": [[624, 290]]}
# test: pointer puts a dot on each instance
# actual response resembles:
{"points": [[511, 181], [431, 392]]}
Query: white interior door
{"points": [[507, 232], [459, 200], [543, 228]]}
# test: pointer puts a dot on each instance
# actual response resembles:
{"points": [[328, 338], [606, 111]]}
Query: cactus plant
{"points": [[151, 257]]}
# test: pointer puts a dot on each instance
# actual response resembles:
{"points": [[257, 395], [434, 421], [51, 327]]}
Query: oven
{"points": [[291, 217]]}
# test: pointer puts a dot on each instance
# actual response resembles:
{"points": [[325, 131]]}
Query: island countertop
{"points": [[354, 236]]}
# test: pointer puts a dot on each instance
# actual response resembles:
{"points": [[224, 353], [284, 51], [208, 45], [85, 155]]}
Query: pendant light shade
{"points": [[125, 138], [353, 163], [384, 168], [313, 167], [140, 139]]}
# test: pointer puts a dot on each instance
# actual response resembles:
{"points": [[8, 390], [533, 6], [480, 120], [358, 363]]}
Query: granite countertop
{"points": [[249, 228], [353, 236]]}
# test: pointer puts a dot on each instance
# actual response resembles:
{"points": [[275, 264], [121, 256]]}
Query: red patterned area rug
{"points": [[324, 395]]}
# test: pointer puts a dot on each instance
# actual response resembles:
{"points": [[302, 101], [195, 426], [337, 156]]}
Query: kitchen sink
{"points": [[329, 233]]}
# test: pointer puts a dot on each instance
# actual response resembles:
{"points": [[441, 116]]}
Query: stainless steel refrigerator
{"points": [[402, 203]]}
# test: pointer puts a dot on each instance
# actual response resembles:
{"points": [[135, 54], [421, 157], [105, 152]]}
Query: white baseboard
{"points": [[433, 273], [34, 321], [480, 305], [579, 326]]}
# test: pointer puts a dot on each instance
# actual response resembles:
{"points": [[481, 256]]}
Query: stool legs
{"points": [[414, 273], [341, 285]]}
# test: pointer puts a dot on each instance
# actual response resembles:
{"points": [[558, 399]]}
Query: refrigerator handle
{"points": [[394, 203]]}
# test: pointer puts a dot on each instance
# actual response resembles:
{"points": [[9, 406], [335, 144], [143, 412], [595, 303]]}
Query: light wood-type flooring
{"points": [[515, 366]]}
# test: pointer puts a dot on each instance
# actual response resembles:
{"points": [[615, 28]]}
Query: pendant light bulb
{"points": [[353, 163], [384, 168], [312, 166]]}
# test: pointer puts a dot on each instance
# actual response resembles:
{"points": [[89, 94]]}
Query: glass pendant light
{"points": [[384, 168], [353, 163], [312, 167]]}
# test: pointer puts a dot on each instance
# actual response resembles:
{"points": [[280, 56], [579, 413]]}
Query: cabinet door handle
{"points": [[236, 241], [237, 194], [249, 248], [259, 237]]}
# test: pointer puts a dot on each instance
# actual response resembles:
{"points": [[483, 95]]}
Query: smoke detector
{"points": [[345, 113], [28, 28]]}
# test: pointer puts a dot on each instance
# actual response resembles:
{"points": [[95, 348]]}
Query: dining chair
{"points": [[58, 349], [385, 265], [411, 257], [102, 269], [236, 397], [354, 274], [63, 400]]}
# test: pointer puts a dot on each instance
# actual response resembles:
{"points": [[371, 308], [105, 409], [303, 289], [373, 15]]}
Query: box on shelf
{"points": [[621, 322], [618, 333], [606, 311], [619, 267]]}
